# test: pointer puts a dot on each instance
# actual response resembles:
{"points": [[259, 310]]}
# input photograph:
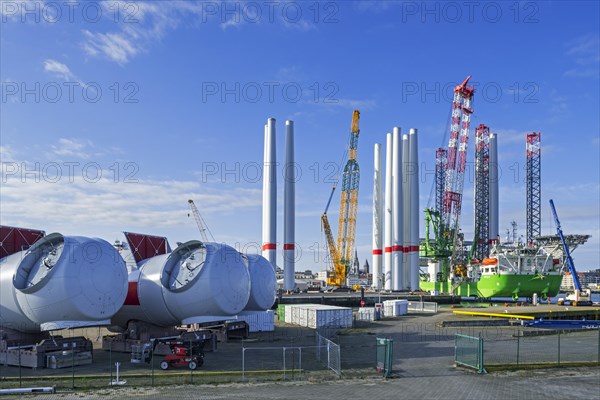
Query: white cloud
{"points": [[75, 148], [116, 46], [231, 23], [6, 153], [57, 68], [88, 198], [301, 25], [79, 202], [62, 71], [139, 26], [585, 53], [145, 23]]}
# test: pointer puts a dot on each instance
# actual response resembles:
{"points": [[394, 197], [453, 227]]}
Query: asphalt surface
{"points": [[423, 365], [543, 385]]}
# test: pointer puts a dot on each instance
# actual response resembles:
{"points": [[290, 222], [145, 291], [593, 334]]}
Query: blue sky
{"points": [[113, 114]]}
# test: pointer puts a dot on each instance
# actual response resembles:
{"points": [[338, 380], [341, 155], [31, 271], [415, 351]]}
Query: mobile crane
{"points": [[202, 227], [575, 299], [341, 255]]}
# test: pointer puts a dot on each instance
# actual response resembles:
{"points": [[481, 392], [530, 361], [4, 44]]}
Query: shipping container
{"points": [[395, 308], [258, 321], [289, 315], [320, 316], [366, 314], [329, 317]]}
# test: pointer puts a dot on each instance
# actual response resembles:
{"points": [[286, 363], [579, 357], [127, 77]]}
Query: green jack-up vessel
{"points": [[512, 270]]}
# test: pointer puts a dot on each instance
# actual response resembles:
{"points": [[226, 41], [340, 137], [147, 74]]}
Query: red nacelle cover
{"points": [[146, 246], [13, 239]]}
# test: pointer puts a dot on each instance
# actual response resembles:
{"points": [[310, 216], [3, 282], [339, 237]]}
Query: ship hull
{"points": [[505, 285]]}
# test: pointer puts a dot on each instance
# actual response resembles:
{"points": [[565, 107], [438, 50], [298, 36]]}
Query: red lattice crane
{"points": [[456, 164]]}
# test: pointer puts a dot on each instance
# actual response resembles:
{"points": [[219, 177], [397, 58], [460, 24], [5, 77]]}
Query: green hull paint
{"points": [[501, 286]]}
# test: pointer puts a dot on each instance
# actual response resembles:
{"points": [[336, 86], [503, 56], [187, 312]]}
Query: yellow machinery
{"points": [[341, 255]]}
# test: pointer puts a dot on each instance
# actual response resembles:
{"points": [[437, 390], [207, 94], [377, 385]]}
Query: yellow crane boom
{"points": [[341, 255]]}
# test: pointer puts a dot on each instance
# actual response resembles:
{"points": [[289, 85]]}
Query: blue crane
{"points": [[574, 300], [570, 263]]}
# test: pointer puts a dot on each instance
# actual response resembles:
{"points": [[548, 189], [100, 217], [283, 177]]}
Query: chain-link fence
{"points": [[289, 353], [543, 348], [284, 363], [84, 358]]}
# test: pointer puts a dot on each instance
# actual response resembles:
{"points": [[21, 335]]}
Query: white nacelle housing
{"points": [[197, 282], [263, 286], [61, 282]]}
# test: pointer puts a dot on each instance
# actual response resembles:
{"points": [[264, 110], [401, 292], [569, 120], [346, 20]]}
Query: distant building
{"points": [[322, 276], [590, 279], [299, 285], [366, 267], [587, 279], [297, 275]]}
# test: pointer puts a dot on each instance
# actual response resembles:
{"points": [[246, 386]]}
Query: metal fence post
{"points": [[110, 359], [559, 348], [481, 366], [300, 362], [328, 356], [72, 362], [455, 348], [598, 360], [151, 362], [243, 363], [192, 358], [284, 363], [20, 375], [518, 346]]}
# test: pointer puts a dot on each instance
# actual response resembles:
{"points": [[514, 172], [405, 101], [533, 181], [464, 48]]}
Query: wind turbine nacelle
{"points": [[61, 282], [197, 282], [263, 288]]}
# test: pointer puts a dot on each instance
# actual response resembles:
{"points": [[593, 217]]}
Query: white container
{"points": [[300, 314], [291, 312], [395, 308], [319, 316], [258, 321], [329, 317], [287, 314], [366, 314]]}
